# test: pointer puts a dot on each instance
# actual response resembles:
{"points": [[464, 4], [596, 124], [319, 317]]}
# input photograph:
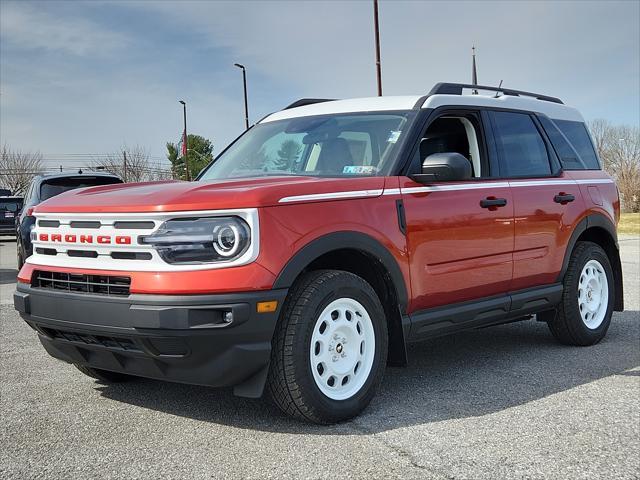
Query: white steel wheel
{"points": [[593, 294], [342, 349]]}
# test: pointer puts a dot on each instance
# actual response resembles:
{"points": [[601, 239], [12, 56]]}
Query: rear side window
{"points": [[56, 186], [522, 150], [577, 134]]}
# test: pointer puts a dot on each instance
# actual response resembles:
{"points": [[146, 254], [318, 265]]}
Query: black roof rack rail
{"points": [[307, 101], [456, 89]]}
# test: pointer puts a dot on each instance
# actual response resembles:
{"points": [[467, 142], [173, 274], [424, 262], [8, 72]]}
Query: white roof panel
{"points": [[380, 104], [557, 111], [371, 104]]}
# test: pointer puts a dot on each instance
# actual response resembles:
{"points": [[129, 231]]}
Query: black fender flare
{"points": [[597, 220], [340, 241]]}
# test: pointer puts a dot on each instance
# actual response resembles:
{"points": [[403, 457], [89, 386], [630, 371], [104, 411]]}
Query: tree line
{"points": [[618, 147]]}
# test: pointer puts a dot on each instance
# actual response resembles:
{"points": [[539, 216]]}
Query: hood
{"points": [[201, 195]]}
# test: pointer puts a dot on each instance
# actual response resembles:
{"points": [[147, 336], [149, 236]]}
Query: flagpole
{"points": [[185, 140]]}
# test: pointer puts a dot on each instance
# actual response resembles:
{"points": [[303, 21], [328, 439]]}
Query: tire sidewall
{"points": [[571, 306], [365, 295]]}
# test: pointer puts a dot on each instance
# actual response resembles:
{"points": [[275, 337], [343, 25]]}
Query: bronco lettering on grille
{"points": [[100, 239]]}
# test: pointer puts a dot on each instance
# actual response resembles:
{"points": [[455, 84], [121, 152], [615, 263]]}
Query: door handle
{"points": [[564, 198], [493, 203]]}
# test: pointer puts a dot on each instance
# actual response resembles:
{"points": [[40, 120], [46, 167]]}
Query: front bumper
{"points": [[176, 338]]}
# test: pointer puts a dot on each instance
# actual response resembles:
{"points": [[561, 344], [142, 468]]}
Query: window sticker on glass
{"points": [[359, 170], [393, 136]]}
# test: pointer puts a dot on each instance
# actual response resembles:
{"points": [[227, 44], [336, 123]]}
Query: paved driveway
{"points": [[502, 402]]}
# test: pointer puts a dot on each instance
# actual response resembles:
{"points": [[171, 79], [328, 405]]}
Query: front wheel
{"points": [[584, 315], [329, 349]]}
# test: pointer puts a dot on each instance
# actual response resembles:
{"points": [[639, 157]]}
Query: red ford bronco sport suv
{"points": [[326, 238]]}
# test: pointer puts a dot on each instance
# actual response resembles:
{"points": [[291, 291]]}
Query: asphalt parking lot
{"points": [[502, 402]]}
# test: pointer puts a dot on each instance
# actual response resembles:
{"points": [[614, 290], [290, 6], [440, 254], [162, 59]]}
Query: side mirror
{"points": [[444, 167]]}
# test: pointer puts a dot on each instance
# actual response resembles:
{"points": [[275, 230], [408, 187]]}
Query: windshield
{"points": [[56, 186], [13, 205], [341, 145]]}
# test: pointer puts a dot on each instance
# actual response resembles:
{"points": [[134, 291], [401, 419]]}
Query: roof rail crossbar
{"points": [[456, 89], [307, 101]]}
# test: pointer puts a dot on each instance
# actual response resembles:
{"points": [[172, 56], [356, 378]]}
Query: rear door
{"points": [[459, 245], [547, 203]]}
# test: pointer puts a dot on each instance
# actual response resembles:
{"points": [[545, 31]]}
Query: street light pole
{"points": [[246, 102], [185, 140], [376, 28]]}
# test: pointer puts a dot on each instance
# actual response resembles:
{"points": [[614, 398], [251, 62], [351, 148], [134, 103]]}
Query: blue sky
{"points": [[88, 77]]}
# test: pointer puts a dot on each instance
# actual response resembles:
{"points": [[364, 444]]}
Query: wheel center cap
{"points": [[339, 348]]}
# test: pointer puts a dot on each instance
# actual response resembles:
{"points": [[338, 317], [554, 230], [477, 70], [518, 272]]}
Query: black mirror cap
{"points": [[444, 167]]}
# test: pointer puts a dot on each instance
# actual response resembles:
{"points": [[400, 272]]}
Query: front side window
{"points": [[454, 134], [340, 145], [521, 148]]}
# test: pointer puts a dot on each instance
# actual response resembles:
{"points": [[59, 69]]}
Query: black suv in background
{"points": [[44, 187], [9, 210]]}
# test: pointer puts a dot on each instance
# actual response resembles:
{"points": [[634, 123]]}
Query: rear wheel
{"points": [[584, 315], [103, 375], [329, 349]]}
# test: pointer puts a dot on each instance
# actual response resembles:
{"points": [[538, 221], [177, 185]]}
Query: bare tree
{"points": [[17, 169], [132, 164], [618, 147]]}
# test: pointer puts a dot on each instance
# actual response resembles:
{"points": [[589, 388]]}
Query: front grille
{"points": [[117, 343], [81, 283]]}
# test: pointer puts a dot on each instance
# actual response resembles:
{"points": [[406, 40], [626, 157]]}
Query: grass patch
{"points": [[629, 224]]}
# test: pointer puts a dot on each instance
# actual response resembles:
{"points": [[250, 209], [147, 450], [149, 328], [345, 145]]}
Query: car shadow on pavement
{"points": [[8, 275], [464, 375]]}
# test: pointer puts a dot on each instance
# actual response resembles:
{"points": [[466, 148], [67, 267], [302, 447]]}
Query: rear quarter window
{"points": [[578, 136]]}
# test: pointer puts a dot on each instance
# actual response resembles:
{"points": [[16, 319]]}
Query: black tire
{"points": [[566, 322], [103, 375], [291, 381], [20, 260]]}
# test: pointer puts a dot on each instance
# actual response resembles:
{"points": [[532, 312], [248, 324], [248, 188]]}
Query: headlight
{"points": [[200, 240]]}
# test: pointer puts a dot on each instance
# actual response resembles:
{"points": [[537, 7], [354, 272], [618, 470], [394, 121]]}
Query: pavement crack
{"points": [[401, 452]]}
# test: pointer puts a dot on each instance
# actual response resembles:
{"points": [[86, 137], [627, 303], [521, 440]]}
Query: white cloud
{"points": [[25, 25]]}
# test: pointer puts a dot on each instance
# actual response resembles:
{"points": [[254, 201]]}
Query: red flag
{"points": [[184, 143]]}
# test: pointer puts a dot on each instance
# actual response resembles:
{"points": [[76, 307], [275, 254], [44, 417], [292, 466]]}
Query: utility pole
{"points": [[185, 146], [246, 102], [376, 27], [124, 156]]}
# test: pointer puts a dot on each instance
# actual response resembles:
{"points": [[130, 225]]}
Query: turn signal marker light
{"points": [[267, 307]]}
